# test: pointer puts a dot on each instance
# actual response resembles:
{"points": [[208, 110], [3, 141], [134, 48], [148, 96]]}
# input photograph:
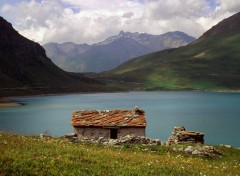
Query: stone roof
{"points": [[109, 118]]}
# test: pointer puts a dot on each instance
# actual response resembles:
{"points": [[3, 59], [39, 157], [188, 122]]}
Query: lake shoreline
{"points": [[71, 93], [10, 104], [57, 94], [5, 102]]}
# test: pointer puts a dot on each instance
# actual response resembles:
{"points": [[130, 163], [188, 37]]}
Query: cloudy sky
{"points": [[90, 21]]}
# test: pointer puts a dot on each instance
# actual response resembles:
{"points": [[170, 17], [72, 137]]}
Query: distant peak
{"points": [[121, 32]]}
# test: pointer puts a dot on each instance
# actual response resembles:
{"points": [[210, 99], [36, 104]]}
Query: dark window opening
{"points": [[113, 133]]}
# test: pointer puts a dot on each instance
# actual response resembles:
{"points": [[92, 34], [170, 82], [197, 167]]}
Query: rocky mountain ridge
{"points": [[225, 26], [112, 51]]}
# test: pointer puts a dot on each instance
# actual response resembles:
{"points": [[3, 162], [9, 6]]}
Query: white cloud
{"points": [[90, 21], [162, 9], [231, 6], [225, 9], [128, 15], [5, 8]]}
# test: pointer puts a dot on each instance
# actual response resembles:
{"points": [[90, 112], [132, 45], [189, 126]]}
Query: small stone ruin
{"points": [[180, 135], [131, 139]]}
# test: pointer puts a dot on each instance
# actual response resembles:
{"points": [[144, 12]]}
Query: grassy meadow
{"points": [[22, 155]]}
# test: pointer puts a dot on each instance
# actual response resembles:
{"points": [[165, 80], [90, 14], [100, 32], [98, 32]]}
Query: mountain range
{"points": [[212, 62], [25, 69], [113, 51]]}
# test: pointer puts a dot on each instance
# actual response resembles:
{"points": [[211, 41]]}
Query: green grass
{"points": [[22, 155]]}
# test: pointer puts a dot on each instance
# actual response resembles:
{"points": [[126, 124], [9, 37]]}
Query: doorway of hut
{"points": [[113, 133]]}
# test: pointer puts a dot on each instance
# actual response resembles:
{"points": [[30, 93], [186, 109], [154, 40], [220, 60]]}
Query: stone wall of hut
{"points": [[97, 132], [122, 132]]}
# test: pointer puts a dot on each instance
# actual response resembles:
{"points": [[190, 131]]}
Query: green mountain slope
{"points": [[210, 63], [25, 68]]}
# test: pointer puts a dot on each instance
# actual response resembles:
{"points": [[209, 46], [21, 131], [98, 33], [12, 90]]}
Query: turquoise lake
{"points": [[217, 114]]}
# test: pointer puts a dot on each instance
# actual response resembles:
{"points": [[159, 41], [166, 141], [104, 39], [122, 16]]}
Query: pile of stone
{"points": [[205, 151], [227, 146], [45, 135], [72, 137], [180, 135], [129, 139]]}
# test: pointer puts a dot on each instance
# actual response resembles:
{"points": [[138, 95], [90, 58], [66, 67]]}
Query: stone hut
{"points": [[109, 124]]}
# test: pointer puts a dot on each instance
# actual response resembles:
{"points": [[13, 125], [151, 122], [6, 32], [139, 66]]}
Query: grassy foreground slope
{"points": [[210, 63], [22, 155]]}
